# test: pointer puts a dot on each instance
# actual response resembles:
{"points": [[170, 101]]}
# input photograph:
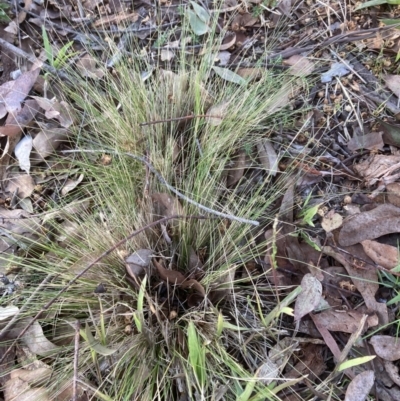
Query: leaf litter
{"points": [[347, 160]]}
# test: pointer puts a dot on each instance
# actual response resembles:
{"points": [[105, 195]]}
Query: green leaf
{"points": [[201, 12], [229, 75], [355, 362], [62, 56], [95, 345], [371, 4], [308, 214], [47, 47], [198, 26], [197, 354], [388, 21], [394, 300], [393, 2]]}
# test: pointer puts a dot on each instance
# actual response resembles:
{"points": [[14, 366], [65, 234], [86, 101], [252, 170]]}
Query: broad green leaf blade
{"points": [[371, 4], [201, 12], [229, 75], [95, 345], [355, 362], [198, 26]]}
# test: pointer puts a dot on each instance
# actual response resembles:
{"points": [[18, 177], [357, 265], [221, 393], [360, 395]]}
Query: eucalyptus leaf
{"points": [[201, 12], [229, 75], [198, 26], [372, 3]]}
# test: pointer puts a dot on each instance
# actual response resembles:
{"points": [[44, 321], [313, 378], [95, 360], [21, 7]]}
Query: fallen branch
{"points": [[170, 187]]}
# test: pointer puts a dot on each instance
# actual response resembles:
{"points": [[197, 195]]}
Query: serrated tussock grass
{"points": [[168, 347]]}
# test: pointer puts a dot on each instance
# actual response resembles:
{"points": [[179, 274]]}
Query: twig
{"points": [[170, 187], [76, 355], [84, 271], [177, 119]]}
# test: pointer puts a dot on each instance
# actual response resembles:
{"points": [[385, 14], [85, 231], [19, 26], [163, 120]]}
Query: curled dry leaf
{"points": [[19, 387], [268, 156], [137, 262], [267, 372], [24, 185], [46, 142], [13, 93], [22, 152], [331, 221], [386, 347], [360, 386], [300, 66], [376, 166], [16, 122], [36, 341], [217, 113], [382, 254], [71, 184], [309, 298], [177, 278], [87, 66], [393, 83], [384, 219]]}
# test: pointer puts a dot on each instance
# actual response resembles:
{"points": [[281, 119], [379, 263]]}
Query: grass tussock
{"points": [[150, 340]]}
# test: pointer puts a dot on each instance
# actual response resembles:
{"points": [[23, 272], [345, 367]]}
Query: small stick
{"points": [[103, 255], [170, 187], [76, 354], [177, 119]]}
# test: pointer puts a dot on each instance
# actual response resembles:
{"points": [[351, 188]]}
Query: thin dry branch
{"points": [[170, 187]]}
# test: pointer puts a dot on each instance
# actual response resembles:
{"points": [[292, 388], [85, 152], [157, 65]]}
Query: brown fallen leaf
{"points": [[346, 321], [177, 278], [377, 166], [19, 387], [386, 347], [365, 280], [137, 262], [13, 93], [300, 66], [393, 371], [393, 193], [384, 219], [236, 171], [309, 298], [360, 386], [268, 157], [36, 341], [165, 205], [393, 83], [217, 113], [16, 122], [331, 221], [23, 184], [372, 141], [382, 254], [47, 141]]}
